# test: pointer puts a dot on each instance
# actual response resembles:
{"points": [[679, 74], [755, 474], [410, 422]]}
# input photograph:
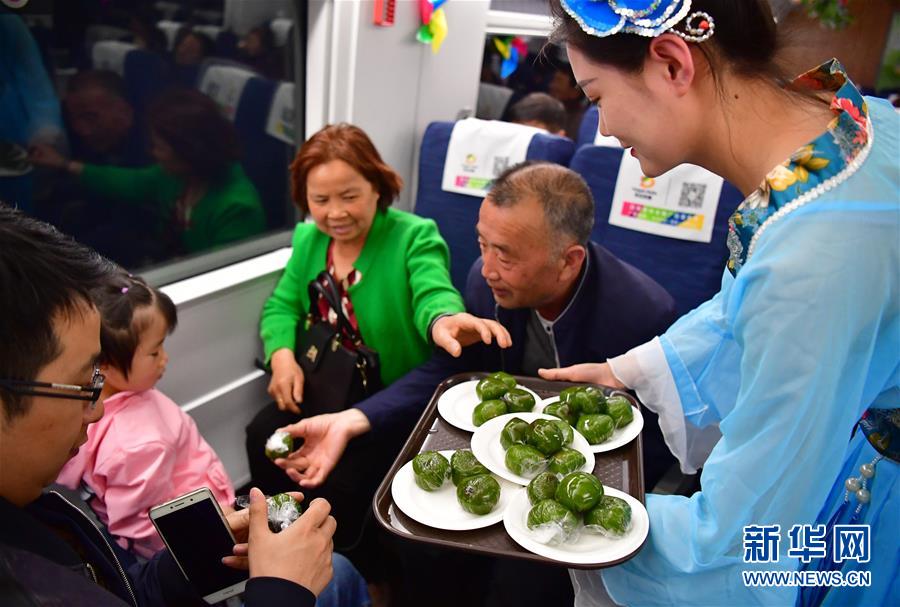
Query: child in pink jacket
{"points": [[144, 450]]}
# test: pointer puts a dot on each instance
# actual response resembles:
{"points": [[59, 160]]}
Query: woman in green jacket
{"points": [[392, 269], [198, 191]]}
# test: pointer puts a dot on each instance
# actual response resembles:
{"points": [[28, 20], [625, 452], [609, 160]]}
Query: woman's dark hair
{"points": [[746, 39], [44, 275], [120, 302], [198, 133], [351, 144]]}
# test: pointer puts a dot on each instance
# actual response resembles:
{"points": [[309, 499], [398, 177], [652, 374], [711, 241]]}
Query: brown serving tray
{"points": [[621, 469]]}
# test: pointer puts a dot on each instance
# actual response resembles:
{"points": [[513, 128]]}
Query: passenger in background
{"points": [[145, 450], [104, 128], [102, 122], [564, 88], [191, 47], [562, 298], [542, 111], [198, 191], [383, 260], [257, 49]]}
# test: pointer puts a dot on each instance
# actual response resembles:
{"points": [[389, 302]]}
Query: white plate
{"points": [[589, 548], [487, 448], [440, 509], [457, 404], [620, 436]]}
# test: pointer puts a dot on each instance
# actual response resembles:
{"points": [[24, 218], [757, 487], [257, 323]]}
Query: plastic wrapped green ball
{"points": [[579, 491], [525, 460], [478, 494], [566, 460], [620, 410], [430, 470], [464, 464], [611, 516], [280, 444], [489, 409], [542, 487], [515, 432], [518, 401], [545, 436], [596, 428]]}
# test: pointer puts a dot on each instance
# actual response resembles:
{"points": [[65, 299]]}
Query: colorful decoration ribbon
{"points": [[433, 30], [513, 50]]}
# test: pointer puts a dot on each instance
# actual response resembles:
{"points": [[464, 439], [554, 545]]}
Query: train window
{"points": [[154, 131], [523, 79]]}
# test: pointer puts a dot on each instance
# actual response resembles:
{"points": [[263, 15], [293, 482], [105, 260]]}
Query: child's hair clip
{"points": [[124, 290]]}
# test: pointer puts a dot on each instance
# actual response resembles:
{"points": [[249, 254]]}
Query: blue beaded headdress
{"points": [[648, 18]]}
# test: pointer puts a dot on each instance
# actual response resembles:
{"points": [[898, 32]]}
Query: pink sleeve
{"points": [[137, 479]]}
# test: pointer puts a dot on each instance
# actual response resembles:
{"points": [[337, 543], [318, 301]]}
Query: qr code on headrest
{"points": [[692, 195], [501, 163]]}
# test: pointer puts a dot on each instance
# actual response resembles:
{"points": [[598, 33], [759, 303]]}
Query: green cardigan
{"points": [[405, 285], [229, 211]]}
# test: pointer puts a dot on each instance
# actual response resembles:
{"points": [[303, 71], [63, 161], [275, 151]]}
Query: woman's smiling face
{"points": [[639, 109], [341, 202]]}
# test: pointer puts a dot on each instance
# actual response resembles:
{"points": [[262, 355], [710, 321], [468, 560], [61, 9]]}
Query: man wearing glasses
{"points": [[49, 389]]}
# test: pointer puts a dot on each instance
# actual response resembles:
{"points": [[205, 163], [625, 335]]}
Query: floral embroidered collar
{"points": [[811, 170]]}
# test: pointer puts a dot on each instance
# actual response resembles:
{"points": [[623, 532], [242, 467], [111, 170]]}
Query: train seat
{"points": [[690, 270]]}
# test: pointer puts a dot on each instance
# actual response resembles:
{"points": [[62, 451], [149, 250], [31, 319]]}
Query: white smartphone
{"points": [[196, 533]]}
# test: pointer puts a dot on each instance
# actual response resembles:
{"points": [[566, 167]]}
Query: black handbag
{"points": [[335, 377]]}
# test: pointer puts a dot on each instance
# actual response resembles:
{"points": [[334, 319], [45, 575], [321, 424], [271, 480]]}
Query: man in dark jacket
{"points": [[50, 551]]}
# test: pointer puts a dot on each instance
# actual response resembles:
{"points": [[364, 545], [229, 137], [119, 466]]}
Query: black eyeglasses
{"points": [[89, 392]]}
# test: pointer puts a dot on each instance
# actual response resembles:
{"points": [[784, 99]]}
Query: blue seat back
{"points": [[588, 129], [457, 214], [264, 158], [146, 75], [690, 271]]}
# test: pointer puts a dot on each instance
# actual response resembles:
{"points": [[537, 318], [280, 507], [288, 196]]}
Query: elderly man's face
{"points": [[522, 264]]}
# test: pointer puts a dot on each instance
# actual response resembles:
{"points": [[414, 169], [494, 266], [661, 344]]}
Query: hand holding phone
{"points": [[197, 535], [301, 553]]}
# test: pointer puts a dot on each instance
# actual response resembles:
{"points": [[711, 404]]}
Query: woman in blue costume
{"points": [[796, 361]]}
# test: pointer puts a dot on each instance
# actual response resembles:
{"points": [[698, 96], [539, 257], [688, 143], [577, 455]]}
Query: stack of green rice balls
{"points": [[589, 411], [499, 395], [477, 491], [563, 507], [531, 448]]}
